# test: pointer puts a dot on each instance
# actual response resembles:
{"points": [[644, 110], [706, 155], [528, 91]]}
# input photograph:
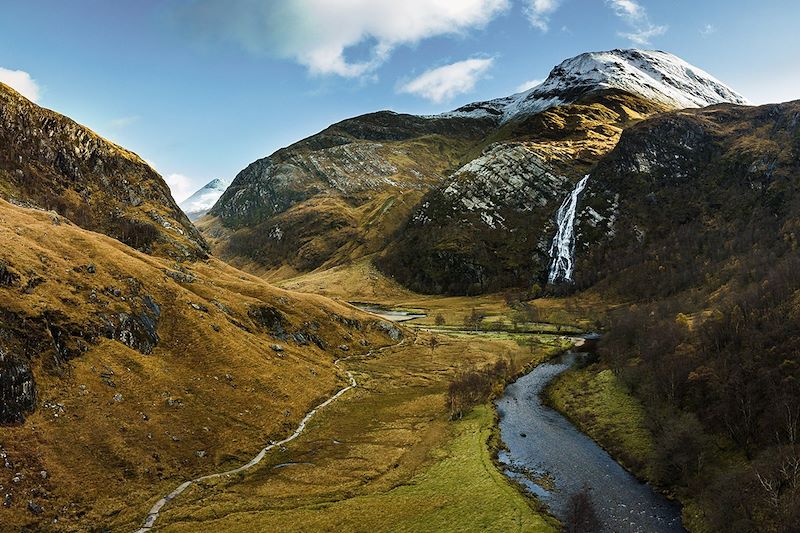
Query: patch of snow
{"points": [[204, 199], [655, 75]]}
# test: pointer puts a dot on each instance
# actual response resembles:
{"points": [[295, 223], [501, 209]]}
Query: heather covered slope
{"points": [[49, 161], [694, 219], [122, 374]]}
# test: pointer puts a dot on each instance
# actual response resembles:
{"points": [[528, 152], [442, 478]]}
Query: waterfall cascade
{"points": [[562, 251]]}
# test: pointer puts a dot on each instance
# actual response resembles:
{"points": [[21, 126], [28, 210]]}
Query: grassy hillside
{"points": [[123, 374], [50, 161], [387, 458]]}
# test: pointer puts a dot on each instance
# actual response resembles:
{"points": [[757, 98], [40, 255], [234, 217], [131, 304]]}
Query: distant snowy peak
{"points": [[655, 75], [204, 199]]}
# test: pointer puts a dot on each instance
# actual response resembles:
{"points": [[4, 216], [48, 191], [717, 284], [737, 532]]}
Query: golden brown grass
{"points": [[386, 458], [208, 386]]}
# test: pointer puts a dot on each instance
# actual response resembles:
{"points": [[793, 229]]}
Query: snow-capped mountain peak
{"points": [[655, 75], [204, 199]]}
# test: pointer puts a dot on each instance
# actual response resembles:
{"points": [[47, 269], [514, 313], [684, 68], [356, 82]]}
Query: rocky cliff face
{"points": [[338, 193], [52, 162]]}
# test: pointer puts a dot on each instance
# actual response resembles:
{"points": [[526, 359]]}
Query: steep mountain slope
{"points": [[121, 374], [203, 199], [695, 217], [490, 224], [337, 194], [724, 174], [464, 199], [52, 162]]}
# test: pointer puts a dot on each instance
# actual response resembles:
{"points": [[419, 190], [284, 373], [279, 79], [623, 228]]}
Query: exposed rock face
{"points": [[53, 339], [463, 232], [50, 161], [350, 157], [17, 386], [490, 225], [137, 329], [339, 193]]}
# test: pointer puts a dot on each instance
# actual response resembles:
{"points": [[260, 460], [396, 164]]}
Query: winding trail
{"points": [[155, 511]]}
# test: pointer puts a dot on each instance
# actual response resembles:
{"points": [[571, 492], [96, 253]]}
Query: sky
{"points": [[201, 88]]}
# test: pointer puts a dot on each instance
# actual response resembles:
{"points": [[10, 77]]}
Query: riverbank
{"points": [[384, 458], [555, 461], [595, 401]]}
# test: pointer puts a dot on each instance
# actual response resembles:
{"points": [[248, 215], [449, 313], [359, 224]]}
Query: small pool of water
{"points": [[394, 315]]}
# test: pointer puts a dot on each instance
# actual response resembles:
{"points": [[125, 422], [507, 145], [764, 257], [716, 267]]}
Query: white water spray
{"points": [[562, 251]]}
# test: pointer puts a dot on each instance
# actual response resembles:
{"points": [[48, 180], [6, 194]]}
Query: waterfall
{"points": [[562, 251]]}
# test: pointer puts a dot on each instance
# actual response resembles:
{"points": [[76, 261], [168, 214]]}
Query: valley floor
{"points": [[386, 457]]}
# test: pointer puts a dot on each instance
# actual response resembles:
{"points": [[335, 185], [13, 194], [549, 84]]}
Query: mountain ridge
{"points": [[52, 162], [358, 187]]}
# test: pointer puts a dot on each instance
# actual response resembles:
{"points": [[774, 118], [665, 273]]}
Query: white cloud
{"points": [[539, 12], [642, 30], [123, 122], [644, 36], [348, 38], [21, 81], [443, 83], [707, 30], [181, 186], [522, 87]]}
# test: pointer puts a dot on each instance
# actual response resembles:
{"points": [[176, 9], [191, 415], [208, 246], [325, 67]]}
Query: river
{"points": [[543, 445]]}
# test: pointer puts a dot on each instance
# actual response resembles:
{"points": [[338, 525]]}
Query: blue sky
{"points": [[200, 88]]}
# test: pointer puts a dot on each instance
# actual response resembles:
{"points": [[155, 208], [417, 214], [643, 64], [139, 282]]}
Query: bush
{"points": [[474, 388], [135, 233]]}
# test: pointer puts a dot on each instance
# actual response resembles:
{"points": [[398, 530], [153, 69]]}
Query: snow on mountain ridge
{"points": [[656, 75], [203, 199]]}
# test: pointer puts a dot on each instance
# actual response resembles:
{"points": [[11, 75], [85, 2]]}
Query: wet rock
{"points": [[391, 330], [17, 386], [137, 329]]}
